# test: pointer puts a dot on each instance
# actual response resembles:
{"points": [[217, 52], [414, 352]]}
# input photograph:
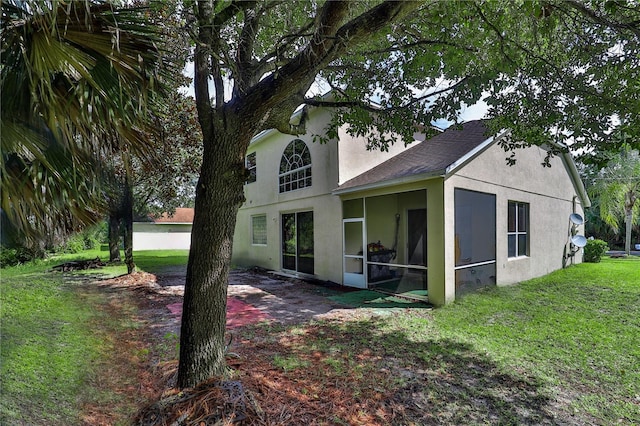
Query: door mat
{"points": [[239, 313]]}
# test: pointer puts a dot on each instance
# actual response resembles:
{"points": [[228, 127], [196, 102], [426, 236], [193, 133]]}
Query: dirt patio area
{"points": [[281, 299], [254, 296]]}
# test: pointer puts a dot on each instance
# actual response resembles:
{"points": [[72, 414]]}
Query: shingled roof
{"points": [[182, 215], [429, 158]]}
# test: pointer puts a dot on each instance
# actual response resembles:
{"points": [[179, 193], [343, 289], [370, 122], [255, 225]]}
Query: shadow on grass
{"points": [[419, 380], [458, 385]]}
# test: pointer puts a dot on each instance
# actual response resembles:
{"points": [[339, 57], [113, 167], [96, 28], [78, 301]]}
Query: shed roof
{"points": [[431, 157], [182, 215]]}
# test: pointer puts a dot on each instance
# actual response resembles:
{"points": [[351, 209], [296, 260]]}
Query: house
{"points": [[165, 232], [443, 216]]}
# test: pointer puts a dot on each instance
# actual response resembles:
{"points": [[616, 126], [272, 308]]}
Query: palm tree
{"points": [[74, 75], [617, 187]]}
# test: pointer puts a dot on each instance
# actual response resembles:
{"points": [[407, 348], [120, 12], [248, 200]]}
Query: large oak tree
{"points": [[549, 70]]}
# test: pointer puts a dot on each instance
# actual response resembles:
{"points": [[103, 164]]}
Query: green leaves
{"points": [[73, 73], [617, 188]]}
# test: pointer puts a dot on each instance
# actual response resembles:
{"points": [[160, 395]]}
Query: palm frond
{"points": [[73, 72]]}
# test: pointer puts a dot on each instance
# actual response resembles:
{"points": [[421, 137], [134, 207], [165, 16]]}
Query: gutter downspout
{"points": [[577, 181]]}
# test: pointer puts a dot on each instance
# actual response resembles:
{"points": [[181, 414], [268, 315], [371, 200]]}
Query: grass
{"points": [[153, 261], [290, 362], [46, 352], [58, 348], [577, 330]]}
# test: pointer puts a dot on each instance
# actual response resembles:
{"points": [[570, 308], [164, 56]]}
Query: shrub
{"points": [[15, 256], [95, 235], [88, 239], [74, 244], [594, 250], [8, 257]]}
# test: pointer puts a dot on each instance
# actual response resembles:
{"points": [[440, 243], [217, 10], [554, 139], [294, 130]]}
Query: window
{"points": [[250, 164], [259, 229], [518, 229], [295, 167]]}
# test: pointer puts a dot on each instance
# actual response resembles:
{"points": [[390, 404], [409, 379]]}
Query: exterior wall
{"points": [[332, 163], [165, 236], [355, 159], [551, 197], [548, 191], [263, 197], [327, 233], [440, 245]]}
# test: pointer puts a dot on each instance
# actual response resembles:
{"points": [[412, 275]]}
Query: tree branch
{"points": [[371, 107], [267, 63], [202, 69], [419, 43], [632, 26], [244, 54], [331, 39], [503, 40], [225, 15]]}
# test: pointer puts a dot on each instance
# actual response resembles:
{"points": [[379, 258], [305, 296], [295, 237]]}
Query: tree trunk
{"points": [[219, 195], [628, 222], [114, 237], [127, 215]]}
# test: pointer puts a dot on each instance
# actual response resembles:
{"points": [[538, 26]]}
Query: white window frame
{"points": [[253, 230], [518, 232], [295, 178], [253, 169]]}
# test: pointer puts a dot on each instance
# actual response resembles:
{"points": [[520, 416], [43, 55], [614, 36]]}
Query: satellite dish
{"points": [[579, 241], [576, 219]]}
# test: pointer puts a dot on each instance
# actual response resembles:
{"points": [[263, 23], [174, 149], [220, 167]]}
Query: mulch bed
{"points": [[278, 377]]}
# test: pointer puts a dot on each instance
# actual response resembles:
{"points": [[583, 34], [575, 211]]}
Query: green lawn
{"points": [[577, 331], [153, 261], [46, 350], [56, 340]]}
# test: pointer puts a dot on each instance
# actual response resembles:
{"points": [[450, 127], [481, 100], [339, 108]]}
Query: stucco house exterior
{"points": [[164, 232], [442, 217]]}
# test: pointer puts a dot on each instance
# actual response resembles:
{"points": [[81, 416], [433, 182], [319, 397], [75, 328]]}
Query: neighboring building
{"points": [[446, 215], [164, 232]]}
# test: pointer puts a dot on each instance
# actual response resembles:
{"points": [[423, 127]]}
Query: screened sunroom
{"points": [[385, 242]]}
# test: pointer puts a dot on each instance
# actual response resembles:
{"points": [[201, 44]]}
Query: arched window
{"points": [[295, 167]]}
